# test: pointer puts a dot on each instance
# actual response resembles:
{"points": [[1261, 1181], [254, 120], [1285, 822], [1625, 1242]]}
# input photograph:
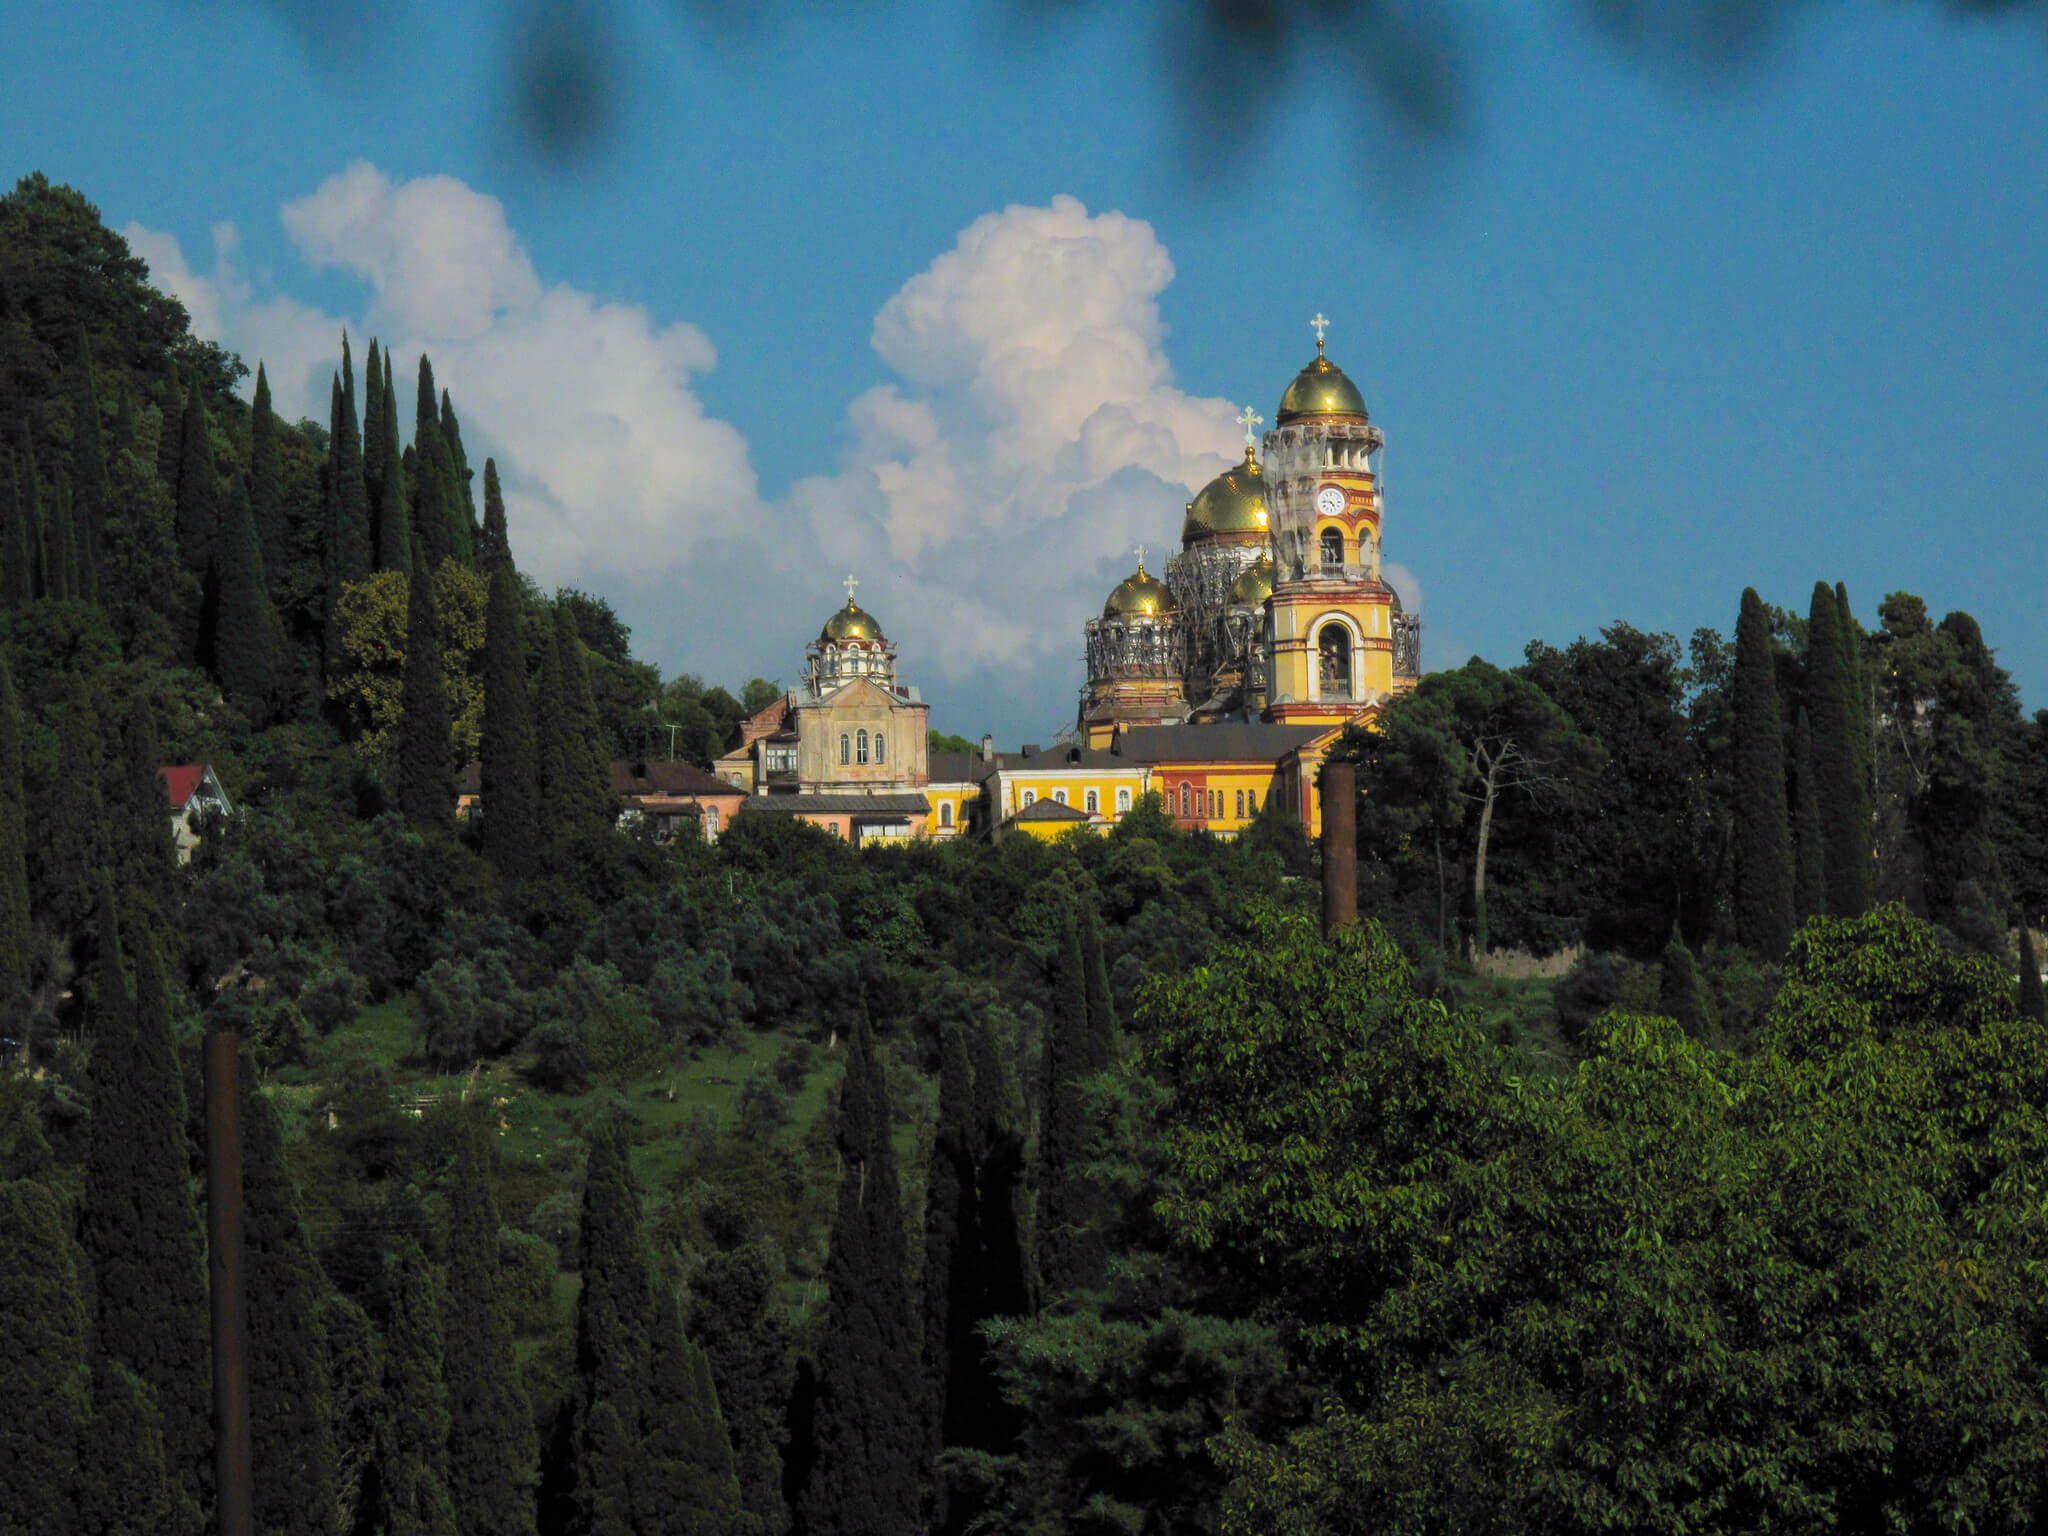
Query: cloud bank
{"points": [[988, 496]]}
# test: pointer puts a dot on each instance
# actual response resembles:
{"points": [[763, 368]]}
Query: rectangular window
{"points": [[1251, 802], [1240, 805]]}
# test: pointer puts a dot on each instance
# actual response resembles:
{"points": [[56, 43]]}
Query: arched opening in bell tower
{"points": [[1333, 548], [1333, 661]]}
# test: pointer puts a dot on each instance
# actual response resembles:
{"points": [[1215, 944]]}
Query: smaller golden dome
{"points": [[851, 623], [1139, 596], [1254, 584], [1233, 503], [1320, 389]]}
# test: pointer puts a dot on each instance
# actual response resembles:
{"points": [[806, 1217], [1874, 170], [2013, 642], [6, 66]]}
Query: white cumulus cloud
{"points": [[988, 497]]}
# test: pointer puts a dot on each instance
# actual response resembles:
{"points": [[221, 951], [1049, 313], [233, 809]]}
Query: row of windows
{"points": [[854, 749], [1209, 804], [1091, 800]]}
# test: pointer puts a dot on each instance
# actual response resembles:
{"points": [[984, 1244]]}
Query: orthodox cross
{"points": [[1248, 419], [1320, 324], [1140, 553], [850, 585]]}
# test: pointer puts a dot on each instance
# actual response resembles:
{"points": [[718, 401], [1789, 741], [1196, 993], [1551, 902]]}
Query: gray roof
{"points": [[960, 767], [1050, 810], [1227, 741], [837, 805]]}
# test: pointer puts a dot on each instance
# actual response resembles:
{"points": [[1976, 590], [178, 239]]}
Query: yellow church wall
{"points": [[1222, 798], [1072, 785]]}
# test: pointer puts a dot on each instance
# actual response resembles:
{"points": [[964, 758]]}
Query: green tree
{"points": [[129, 1491], [17, 934], [248, 642], [1763, 832], [952, 1251], [747, 1347], [1071, 1248], [392, 505], [71, 841], [510, 769], [614, 1316], [349, 549], [495, 546], [1809, 869], [43, 1368], [690, 1483], [1682, 992], [439, 519], [412, 1434], [88, 471], [2032, 1004], [493, 1455], [266, 490], [868, 1431], [367, 678], [462, 500], [574, 773], [197, 490], [1837, 763], [291, 1400], [139, 1226], [425, 774]]}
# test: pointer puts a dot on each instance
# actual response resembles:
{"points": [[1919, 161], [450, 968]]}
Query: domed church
{"points": [[1274, 610]]}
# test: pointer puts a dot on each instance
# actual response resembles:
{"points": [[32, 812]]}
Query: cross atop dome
{"points": [[851, 583], [1250, 419], [1319, 324], [1140, 553]]}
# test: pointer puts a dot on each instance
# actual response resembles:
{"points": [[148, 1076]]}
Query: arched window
{"points": [[1216, 805], [1240, 805], [1333, 656], [1123, 801], [845, 749], [1333, 547], [880, 751], [945, 813], [1060, 795], [1251, 802], [860, 747], [710, 823], [1183, 801], [1092, 803], [1030, 797]]}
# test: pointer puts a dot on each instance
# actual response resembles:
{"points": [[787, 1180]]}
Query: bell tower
{"points": [[1337, 642]]}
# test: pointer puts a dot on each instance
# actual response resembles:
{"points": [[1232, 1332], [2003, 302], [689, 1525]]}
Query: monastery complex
{"points": [[1220, 683]]}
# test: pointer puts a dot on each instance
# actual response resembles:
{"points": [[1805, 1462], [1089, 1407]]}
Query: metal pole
{"points": [[1339, 789], [233, 1474]]}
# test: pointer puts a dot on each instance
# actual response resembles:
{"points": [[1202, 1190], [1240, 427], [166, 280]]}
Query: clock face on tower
{"points": [[1330, 501]]}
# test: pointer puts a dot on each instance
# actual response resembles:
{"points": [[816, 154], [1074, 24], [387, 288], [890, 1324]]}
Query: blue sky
{"points": [[965, 306]]}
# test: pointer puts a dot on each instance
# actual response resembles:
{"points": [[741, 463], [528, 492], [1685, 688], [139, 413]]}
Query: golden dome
{"points": [[1320, 389], [851, 623], [1234, 502], [1139, 596], [1254, 584]]}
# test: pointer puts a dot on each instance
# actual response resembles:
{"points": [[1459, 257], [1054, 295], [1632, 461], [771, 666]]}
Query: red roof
{"points": [[180, 780]]}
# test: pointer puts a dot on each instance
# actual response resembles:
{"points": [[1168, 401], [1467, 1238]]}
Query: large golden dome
{"points": [[1254, 584], [1233, 503], [1139, 596], [851, 623], [1320, 389]]}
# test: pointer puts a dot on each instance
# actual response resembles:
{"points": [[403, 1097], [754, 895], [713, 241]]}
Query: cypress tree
{"points": [[17, 935], [1844, 803], [688, 1481], [169, 438], [746, 1348], [139, 1225], [144, 857], [412, 1431], [291, 1402], [1071, 1251], [614, 1318], [1682, 992], [1809, 874], [999, 1154], [952, 1253], [513, 830], [2033, 1004], [88, 473], [1099, 1049], [574, 779], [493, 1455], [61, 543], [43, 580], [198, 494], [395, 542], [16, 584], [71, 835], [494, 544], [867, 1430], [461, 499], [44, 1377], [1763, 833], [376, 450], [247, 642], [128, 1491], [432, 517], [266, 489], [425, 790], [351, 498], [1856, 689]]}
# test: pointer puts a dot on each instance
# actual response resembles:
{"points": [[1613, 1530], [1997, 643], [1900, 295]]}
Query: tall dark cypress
{"points": [[376, 453], [494, 544], [432, 520], [2033, 1003], [35, 533], [17, 936], [952, 1253], [143, 856], [397, 539], [687, 1479], [493, 1455], [1763, 831], [61, 545], [426, 791], [1810, 863], [247, 641], [71, 844], [129, 1491], [1071, 1252], [17, 580], [1844, 800], [198, 503], [461, 498], [747, 1348], [44, 1376], [574, 777], [868, 1431], [266, 489], [614, 1320], [88, 473], [513, 829], [1856, 690], [412, 1430], [291, 1400], [351, 498], [170, 399], [140, 1226]]}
